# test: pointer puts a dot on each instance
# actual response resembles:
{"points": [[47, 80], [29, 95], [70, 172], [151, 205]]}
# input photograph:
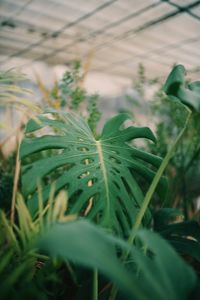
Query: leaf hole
{"points": [[75, 195], [83, 175], [83, 149], [91, 182], [87, 161]]}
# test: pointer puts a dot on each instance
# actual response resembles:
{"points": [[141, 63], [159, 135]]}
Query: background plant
{"points": [[69, 94], [168, 118]]}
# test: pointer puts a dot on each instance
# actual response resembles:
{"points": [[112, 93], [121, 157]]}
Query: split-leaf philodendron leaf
{"points": [[176, 86], [99, 175]]}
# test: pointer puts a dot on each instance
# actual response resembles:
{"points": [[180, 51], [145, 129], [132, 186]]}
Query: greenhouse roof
{"points": [[110, 36]]}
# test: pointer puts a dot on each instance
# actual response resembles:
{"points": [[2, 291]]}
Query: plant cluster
{"points": [[183, 170], [87, 217]]}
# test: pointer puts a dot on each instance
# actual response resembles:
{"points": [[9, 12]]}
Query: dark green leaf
{"points": [[165, 216], [184, 236], [186, 246], [177, 87], [188, 228]]}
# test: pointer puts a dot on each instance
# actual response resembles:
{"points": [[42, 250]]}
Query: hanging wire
{"points": [[125, 34], [98, 32], [58, 32], [148, 24], [187, 10], [148, 55], [120, 37]]}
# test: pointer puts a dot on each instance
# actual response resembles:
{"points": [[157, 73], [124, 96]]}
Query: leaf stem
{"points": [[95, 285], [156, 180]]}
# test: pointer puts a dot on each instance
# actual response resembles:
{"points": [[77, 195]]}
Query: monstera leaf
{"points": [[176, 86], [99, 175]]}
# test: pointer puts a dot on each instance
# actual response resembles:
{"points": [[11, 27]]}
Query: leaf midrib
{"points": [[105, 179]]}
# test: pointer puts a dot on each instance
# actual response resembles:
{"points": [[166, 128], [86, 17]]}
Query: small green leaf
{"points": [[177, 87]]}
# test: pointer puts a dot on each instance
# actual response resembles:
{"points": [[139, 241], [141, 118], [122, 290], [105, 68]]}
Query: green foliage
{"points": [[184, 168], [187, 160], [102, 170], [6, 182], [89, 246], [168, 114], [17, 266], [24, 272], [142, 81], [11, 94], [158, 273], [94, 114], [71, 92]]}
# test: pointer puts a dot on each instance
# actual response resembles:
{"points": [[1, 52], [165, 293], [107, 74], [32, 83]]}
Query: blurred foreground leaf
{"points": [[161, 275]]}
